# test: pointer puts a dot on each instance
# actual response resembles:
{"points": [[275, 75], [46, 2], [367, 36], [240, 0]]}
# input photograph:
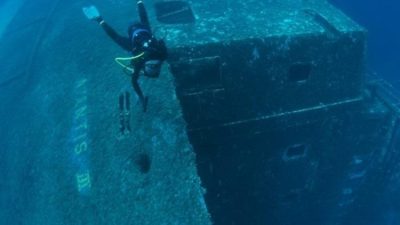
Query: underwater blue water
{"points": [[381, 18], [2, 2]]}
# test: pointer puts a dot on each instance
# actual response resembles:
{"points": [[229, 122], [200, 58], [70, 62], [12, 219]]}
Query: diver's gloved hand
{"points": [[92, 13]]}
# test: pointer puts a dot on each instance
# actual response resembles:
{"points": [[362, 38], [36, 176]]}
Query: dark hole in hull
{"points": [[296, 151], [300, 72], [143, 162]]}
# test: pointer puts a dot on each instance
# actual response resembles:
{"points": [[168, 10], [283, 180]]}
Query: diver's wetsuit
{"points": [[140, 42]]}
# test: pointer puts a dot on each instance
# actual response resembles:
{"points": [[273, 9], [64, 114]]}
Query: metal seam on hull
{"points": [[322, 106]]}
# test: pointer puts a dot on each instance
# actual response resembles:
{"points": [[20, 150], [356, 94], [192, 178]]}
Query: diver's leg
{"points": [[144, 19], [138, 91]]}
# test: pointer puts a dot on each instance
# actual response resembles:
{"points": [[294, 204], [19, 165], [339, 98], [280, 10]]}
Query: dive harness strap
{"points": [[121, 60]]}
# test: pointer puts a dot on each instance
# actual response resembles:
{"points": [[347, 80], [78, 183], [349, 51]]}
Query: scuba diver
{"points": [[148, 52]]}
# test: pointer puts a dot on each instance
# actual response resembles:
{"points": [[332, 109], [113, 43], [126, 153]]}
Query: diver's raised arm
{"points": [[144, 19], [92, 13], [122, 41]]}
